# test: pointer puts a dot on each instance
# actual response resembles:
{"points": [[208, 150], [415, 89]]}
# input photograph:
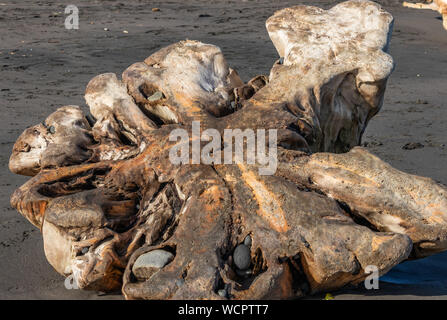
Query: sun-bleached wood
{"points": [[104, 191]]}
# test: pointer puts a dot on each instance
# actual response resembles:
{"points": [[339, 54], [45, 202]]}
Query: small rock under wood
{"points": [[149, 263], [242, 257], [222, 293], [156, 96], [247, 241]]}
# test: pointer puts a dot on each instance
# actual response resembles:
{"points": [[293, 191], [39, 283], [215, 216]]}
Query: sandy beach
{"points": [[45, 66]]}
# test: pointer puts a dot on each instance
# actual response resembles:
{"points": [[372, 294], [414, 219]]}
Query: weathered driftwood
{"points": [[106, 195]]}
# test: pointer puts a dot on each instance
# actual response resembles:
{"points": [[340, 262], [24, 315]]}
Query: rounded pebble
{"points": [[156, 96], [247, 241], [222, 293], [179, 282], [241, 257], [150, 262], [155, 259]]}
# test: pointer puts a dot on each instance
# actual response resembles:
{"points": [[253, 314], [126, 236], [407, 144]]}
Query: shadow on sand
{"points": [[417, 279]]}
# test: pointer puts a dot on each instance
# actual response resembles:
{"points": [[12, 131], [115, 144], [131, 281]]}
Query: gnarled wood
{"points": [[105, 193]]}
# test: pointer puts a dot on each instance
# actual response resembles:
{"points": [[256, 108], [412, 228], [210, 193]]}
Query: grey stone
{"points": [[179, 282], [247, 241], [244, 273], [222, 293], [241, 257], [156, 96], [149, 263]]}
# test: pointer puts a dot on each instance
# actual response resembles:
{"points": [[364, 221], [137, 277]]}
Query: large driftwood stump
{"points": [[116, 213]]}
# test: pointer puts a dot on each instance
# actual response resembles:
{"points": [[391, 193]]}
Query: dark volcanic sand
{"points": [[44, 66]]}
